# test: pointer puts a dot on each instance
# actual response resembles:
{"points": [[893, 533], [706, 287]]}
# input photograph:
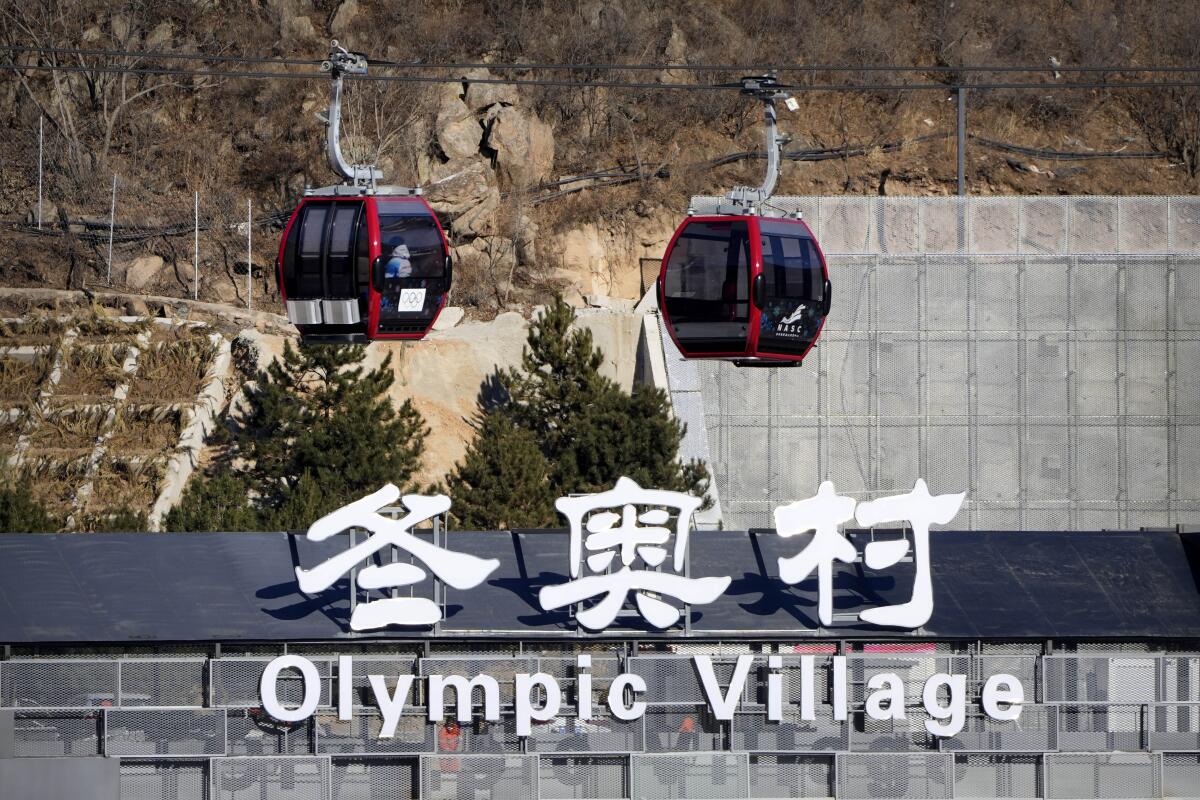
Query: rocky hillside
{"points": [[547, 187]]}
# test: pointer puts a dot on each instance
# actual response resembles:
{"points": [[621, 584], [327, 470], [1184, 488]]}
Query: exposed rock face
{"points": [[524, 146], [143, 271], [458, 132], [482, 96], [456, 185], [607, 260], [343, 18], [479, 220]]}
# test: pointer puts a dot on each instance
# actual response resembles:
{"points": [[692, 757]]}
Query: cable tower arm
{"points": [[746, 199], [342, 62]]}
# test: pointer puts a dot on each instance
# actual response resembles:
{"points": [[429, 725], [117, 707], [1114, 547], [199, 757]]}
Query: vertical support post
{"points": [[112, 216], [196, 250], [249, 257], [41, 121], [962, 141]]}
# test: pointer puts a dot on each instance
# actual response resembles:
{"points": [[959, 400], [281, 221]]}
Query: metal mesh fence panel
{"points": [[164, 780], [479, 736], [1179, 679], [235, 682], [174, 731], [53, 683], [709, 775], [753, 732], [388, 666], [1099, 679], [253, 733], [1035, 731], [176, 682], [56, 733], [787, 776], [373, 779], [570, 777], [682, 729], [898, 776], [603, 733], [1099, 728], [987, 775], [1181, 775], [564, 670], [1123, 776], [890, 735], [413, 734], [1173, 727], [673, 679], [270, 778], [484, 777]]}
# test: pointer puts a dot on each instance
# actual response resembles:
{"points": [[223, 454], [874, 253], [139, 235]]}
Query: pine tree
{"points": [[588, 430], [320, 432], [20, 512], [503, 481]]}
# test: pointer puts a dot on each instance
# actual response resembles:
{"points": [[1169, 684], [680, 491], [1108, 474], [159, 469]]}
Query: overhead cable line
{"points": [[693, 87], [610, 67]]}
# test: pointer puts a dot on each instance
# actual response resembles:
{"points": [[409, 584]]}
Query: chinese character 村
{"points": [[824, 514], [619, 532], [459, 570]]}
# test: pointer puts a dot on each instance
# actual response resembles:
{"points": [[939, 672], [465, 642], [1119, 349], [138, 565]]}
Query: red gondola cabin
{"points": [[749, 289], [357, 266]]}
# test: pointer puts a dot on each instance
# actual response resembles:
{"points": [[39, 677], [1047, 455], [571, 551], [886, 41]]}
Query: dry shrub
{"points": [[54, 482], [146, 430], [21, 380], [172, 372], [104, 330], [125, 484], [90, 374], [68, 434]]}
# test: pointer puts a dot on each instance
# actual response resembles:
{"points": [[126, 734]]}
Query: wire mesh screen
{"points": [[503, 670], [56, 733], [790, 775], [895, 775], [361, 734], [373, 779], [1123, 776], [988, 775], [164, 780], [603, 733], [252, 733], [172, 731], [1181, 775], [710, 775], [1060, 392], [54, 683], [483, 777], [1035, 733], [1099, 728], [162, 683], [270, 778], [1099, 679], [570, 777], [235, 682]]}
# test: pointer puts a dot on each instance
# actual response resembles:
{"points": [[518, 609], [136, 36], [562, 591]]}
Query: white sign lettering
{"points": [[944, 696], [615, 527], [460, 570]]}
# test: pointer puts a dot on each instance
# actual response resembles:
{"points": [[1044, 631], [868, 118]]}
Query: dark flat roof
{"points": [[203, 587]]}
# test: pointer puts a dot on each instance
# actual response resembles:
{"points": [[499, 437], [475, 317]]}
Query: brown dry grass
{"points": [[90, 374], [145, 430], [172, 372], [105, 330], [125, 484], [68, 434], [21, 380], [54, 482], [40, 330]]}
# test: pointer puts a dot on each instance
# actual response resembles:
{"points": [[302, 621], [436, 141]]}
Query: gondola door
{"points": [[704, 287], [411, 270], [324, 269]]}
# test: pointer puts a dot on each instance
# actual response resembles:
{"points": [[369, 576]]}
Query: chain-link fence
{"points": [[1059, 389]]}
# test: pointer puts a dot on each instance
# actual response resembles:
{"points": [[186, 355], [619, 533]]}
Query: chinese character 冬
{"points": [[640, 542], [825, 513], [459, 570]]}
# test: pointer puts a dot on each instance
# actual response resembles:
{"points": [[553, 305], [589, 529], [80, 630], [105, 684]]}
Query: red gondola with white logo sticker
{"points": [[360, 261], [747, 284]]}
